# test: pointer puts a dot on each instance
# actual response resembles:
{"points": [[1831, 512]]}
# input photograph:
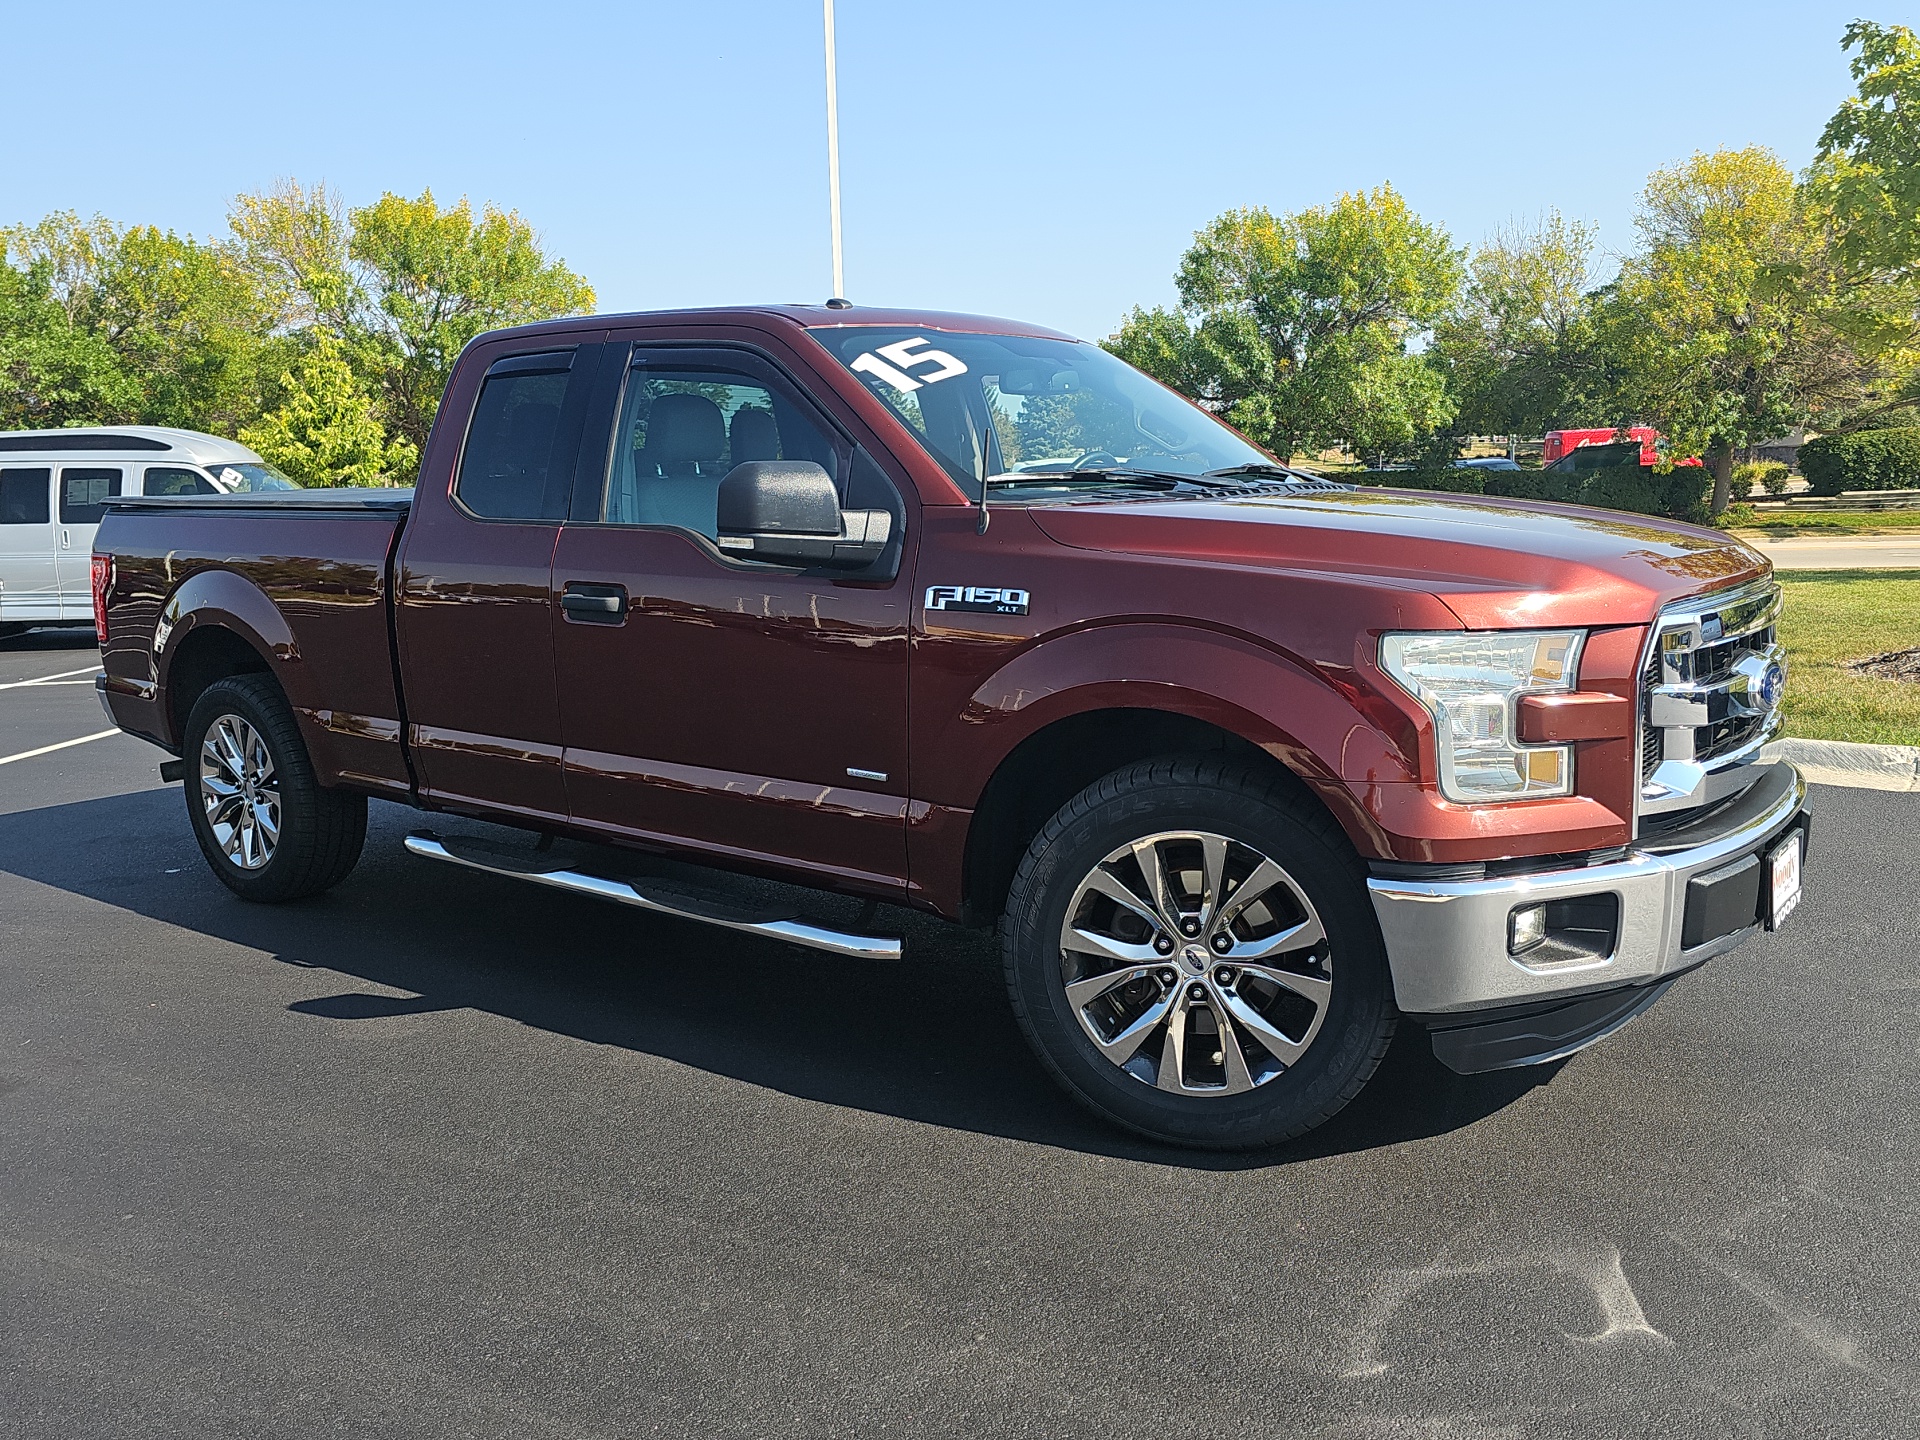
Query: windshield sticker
{"points": [[892, 362], [977, 599]]}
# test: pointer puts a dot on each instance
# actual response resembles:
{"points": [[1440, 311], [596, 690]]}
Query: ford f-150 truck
{"points": [[1247, 765]]}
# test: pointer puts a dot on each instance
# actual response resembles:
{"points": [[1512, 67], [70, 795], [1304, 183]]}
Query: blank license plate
{"points": [[1783, 871]]}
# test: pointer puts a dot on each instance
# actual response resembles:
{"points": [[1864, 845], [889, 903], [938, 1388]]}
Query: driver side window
{"points": [[684, 425]]}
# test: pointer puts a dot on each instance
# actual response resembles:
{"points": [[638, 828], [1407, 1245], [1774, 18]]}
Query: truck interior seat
{"points": [[678, 472], [755, 436]]}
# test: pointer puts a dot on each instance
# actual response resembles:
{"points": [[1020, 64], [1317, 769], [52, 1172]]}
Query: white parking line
{"points": [[49, 749], [44, 679]]}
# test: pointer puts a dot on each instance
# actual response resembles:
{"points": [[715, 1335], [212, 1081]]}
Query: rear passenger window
{"points": [[172, 480], [516, 451], [683, 425], [24, 497], [83, 493]]}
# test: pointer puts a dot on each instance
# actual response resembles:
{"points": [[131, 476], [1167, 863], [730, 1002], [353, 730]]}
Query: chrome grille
{"points": [[1710, 695]]}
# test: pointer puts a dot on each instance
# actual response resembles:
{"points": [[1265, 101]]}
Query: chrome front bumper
{"points": [[1447, 939]]}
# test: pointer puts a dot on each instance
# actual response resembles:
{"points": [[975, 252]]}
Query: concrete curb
{"points": [[1840, 762]]}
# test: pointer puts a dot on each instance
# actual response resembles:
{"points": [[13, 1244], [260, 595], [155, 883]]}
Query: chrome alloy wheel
{"points": [[240, 792], [1195, 964]]}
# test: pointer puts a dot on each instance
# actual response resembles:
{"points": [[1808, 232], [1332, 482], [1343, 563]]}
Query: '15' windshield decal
{"points": [[892, 362]]}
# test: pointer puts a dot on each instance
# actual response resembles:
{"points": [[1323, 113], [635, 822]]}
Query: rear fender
{"points": [[223, 600]]}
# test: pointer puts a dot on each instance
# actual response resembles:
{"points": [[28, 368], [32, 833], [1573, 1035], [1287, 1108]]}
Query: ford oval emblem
{"points": [[1772, 684]]}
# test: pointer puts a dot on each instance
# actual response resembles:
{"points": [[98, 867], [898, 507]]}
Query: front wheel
{"points": [[1191, 951], [266, 825]]}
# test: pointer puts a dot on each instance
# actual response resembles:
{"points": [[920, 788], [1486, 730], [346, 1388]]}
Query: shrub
{"points": [[1770, 474], [1683, 494], [1864, 460], [1736, 517]]}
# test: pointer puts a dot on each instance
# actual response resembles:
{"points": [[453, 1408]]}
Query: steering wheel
{"points": [[1095, 460]]}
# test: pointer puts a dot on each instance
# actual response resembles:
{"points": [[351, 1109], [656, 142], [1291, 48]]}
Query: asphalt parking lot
{"points": [[438, 1155]]}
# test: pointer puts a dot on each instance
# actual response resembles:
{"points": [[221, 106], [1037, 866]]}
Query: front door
{"points": [[746, 710], [475, 641], [29, 574], [84, 491]]}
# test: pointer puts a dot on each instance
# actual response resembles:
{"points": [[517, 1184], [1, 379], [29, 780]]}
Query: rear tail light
{"points": [[102, 583]]}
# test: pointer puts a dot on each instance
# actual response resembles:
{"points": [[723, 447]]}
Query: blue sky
{"points": [[1047, 159]]}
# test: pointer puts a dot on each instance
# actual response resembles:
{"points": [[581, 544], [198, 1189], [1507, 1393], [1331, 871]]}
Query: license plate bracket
{"points": [[1784, 867]]}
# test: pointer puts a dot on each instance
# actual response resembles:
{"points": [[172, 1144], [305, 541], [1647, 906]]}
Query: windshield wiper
{"points": [[1148, 479]]}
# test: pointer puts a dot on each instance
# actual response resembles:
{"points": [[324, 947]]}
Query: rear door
{"points": [[476, 643], [84, 491], [29, 574], [744, 709]]}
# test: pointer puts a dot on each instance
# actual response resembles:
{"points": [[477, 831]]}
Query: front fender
{"points": [[1321, 722]]}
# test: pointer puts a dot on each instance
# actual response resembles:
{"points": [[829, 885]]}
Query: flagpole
{"points": [[833, 157]]}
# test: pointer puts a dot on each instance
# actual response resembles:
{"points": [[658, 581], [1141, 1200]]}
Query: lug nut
{"points": [[1196, 992], [1167, 978], [1223, 975], [1162, 945], [1189, 926], [1223, 942]]}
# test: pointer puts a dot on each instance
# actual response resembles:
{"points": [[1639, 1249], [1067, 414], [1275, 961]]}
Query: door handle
{"points": [[594, 604]]}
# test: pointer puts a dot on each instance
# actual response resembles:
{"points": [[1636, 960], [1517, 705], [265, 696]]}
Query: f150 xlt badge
{"points": [[977, 599]]}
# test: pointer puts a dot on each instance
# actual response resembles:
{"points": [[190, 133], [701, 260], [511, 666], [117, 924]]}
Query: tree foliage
{"points": [[327, 333], [1518, 348], [327, 428], [1303, 329]]}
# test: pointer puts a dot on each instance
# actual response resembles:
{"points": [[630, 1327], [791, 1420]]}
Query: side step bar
{"points": [[660, 900]]}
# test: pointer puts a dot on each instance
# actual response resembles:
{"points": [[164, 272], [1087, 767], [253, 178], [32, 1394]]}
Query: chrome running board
{"points": [[657, 898]]}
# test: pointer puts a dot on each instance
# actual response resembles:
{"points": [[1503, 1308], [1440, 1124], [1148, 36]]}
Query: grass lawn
{"points": [[1833, 616], [1833, 522]]}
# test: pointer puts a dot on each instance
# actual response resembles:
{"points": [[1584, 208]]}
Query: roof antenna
{"points": [[838, 302]]}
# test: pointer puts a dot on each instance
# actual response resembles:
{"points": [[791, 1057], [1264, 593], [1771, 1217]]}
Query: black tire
{"points": [[1262, 812], [320, 831]]}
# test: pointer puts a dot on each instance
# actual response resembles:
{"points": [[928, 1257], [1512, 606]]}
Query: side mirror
{"points": [[789, 511]]}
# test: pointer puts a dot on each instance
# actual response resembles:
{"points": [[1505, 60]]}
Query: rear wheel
{"points": [[1191, 951], [267, 827]]}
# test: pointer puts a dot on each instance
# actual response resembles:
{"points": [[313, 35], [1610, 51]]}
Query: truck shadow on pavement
{"points": [[930, 1039]]}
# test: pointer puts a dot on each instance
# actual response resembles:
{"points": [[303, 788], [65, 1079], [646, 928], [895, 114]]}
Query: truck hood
{"points": [[1494, 563]]}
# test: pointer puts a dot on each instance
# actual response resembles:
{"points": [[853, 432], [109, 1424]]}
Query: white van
{"points": [[53, 488]]}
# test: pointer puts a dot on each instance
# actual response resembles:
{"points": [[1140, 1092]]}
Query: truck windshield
{"points": [[1029, 416], [240, 477]]}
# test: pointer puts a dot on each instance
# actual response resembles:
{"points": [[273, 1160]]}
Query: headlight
{"points": [[1470, 681]]}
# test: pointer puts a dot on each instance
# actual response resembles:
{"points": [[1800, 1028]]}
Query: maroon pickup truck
{"points": [[966, 615]]}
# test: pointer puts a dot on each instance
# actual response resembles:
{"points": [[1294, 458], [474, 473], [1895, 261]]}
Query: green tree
{"points": [[1732, 325], [434, 278], [1303, 329], [53, 372], [1519, 346], [181, 317], [327, 428], [1867, 173]]}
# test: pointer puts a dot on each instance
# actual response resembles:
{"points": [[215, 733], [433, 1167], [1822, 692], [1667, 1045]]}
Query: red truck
{"points": [[1641, 438], [960, 614]]}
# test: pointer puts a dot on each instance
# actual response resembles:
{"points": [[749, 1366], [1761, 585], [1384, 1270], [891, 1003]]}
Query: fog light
{"points": [[1526, 928]]}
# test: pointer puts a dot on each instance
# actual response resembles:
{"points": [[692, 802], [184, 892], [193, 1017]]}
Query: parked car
{"points": [[54, 485], [1248, 766]]}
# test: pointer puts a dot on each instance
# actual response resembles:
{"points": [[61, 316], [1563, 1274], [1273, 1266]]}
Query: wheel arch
{"points": [[217, 623], [1060, 759]]}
